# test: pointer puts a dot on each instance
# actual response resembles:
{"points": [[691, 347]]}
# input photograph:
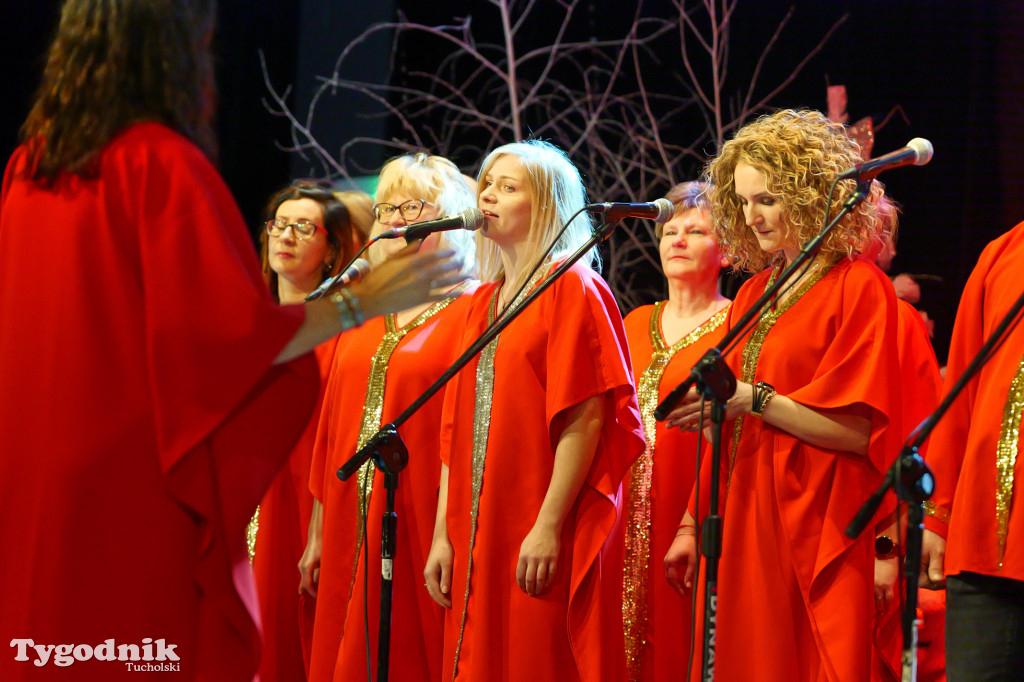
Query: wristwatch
{"points": [[885, 547]]}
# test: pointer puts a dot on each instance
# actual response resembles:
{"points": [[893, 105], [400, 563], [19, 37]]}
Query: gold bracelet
{"points": [[348, 308], [936, 512], [762, 395]]}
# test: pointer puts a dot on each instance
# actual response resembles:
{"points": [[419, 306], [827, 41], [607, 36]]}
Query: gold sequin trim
{"points": [[1006, 456], [250, 534], [935, 511], [481, 431], [635, 576], [373, 408], [752, 349]]}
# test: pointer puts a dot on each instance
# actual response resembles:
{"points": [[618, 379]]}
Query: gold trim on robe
{"points": [[484, 397], [373, 408], [638, 513], [1006, 456], [752, 349]]}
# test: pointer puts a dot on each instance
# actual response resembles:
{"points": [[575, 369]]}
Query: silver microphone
{"points": [[659, 210], [917, 152], [360, 268], [471, 218]]}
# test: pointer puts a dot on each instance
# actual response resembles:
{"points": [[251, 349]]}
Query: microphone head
{"points": [[923, 150], [360, 268], [665, 210], [472, 218]]}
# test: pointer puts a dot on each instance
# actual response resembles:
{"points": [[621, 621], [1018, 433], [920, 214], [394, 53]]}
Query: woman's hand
{"points": [[686, 416], [933, 559], [438, 571], [887, 573], [309, 564], [406, 280], [538, 559], [681, 560]]}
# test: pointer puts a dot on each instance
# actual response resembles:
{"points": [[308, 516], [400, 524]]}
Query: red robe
{"points": [[339, 642], [280, 541], [977, 462], [140, 417], [568, 346], [658, 631], [921, 386], [795, 599]]}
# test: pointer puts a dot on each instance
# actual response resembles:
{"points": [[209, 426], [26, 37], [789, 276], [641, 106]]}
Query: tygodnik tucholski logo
{"points": [[63, 655]]}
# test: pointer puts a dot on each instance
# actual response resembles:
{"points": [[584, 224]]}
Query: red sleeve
{"points": [[587, 356], [212, 328], [861, 350]]}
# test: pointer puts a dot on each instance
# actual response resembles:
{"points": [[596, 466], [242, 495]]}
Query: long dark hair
{"points": [[342, 232], [118, 62]]}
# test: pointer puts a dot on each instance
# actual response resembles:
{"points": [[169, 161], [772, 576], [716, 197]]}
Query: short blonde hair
{"points": [[439, 181], [557, 192], [800, 153]]}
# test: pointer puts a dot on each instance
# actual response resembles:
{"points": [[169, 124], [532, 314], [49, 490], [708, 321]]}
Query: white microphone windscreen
{"points": [[923, 149], [361, 266]]}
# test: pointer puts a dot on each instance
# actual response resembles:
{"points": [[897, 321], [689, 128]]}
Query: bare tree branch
{"points": [[593, 98]]}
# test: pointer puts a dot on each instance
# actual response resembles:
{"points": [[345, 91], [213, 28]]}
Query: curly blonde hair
{"points": [[800, 153]]}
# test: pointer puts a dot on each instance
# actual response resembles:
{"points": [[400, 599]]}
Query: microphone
{"points": [[659, 210], [359, 268], [918, 152], [470, 219]]}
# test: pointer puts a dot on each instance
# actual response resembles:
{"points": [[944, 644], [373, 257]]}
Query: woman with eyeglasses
{"points": [[377, 371], [148, 392], [538, 433], [309, 235], [814, 421]]}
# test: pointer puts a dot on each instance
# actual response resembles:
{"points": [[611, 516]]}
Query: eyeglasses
{"points": [[410, 210], [302, 229]]}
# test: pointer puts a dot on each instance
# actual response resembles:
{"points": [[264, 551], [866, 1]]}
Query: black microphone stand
{"points": [[716, 381], [390, 455], [912, 481]]}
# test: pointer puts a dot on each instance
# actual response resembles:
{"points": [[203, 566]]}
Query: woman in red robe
{"points": [[309, 235], [148, 396], [537, 434], [665, 341], [377, 371], [808, 425], [974, 537]]}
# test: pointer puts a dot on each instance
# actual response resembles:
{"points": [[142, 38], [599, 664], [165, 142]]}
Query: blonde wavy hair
{"points": [[439, 181], [800, 153], [556, 193]]}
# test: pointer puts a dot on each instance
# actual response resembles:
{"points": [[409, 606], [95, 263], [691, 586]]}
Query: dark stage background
{"points": [[953, 67]]}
